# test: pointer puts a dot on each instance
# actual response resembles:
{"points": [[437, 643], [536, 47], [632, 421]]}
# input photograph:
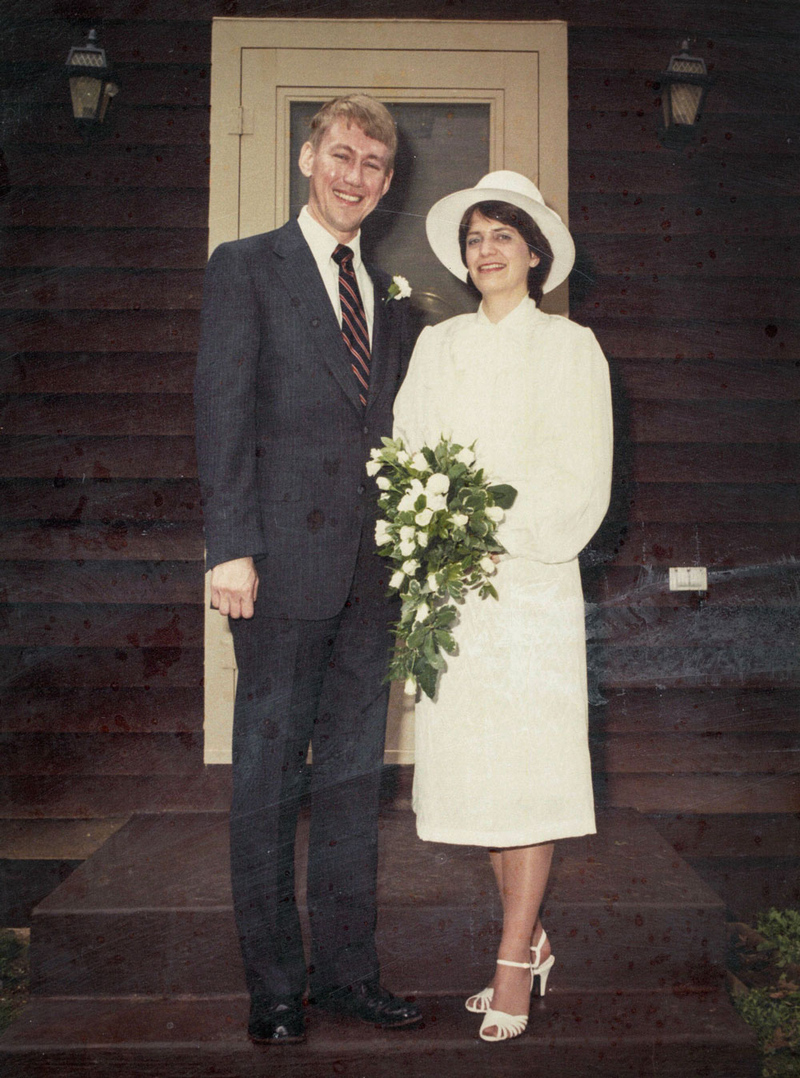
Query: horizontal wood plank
{"points": [[110, 166], [657, 215], [187, 125], [108, 624], [97, 372], [697, 711], [104, 499], [697, 379], [104, 248], [98, 458], [601, 131], [731, 835], [675, 754], [118, 541], [743, 666], [709, 463], [101, 754], [693, 172], [652, 626], [101, 581], [720, 546], [47, 669], [132, 207], [99, 415], [699, 257], [113, 290], [689, 297], [187, 41], [83, 797], [706, 794], [695, 503], [103, 711], [669, 15], [146, 85], [747, 585], [741, 93]]}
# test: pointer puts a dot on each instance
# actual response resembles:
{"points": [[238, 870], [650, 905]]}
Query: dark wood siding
{"points": [[687, 272]]}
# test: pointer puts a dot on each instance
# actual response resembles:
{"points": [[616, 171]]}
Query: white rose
{"points": [[437, 484], [410, 686], [382, 535], [460, 520], [383, 483], [436, 502], [418, 462], [373, 467], [422, 539], [403, 457], [495, 513], [432, 582], [403, 287], [488, 565], [408, 548], [424, 517], [397, 579], [407, 533], [422, 612], [410, 567], [466, 456], [375, 453]]}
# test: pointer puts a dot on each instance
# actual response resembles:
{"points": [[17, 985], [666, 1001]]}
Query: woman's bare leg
{"points": [[524, 871]]}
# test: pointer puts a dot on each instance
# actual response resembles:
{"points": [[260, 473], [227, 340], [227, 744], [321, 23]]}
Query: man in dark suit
{"points": [[290, 397]]}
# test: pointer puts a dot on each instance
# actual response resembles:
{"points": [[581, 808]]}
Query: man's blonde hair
{"points": [[365, 112]]}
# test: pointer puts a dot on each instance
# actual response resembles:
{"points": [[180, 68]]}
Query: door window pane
{"points": [[442, 148]]}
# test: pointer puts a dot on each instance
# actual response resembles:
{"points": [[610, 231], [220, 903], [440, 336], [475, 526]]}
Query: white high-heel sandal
{"points": [[481, 1002], [505, 1025]]}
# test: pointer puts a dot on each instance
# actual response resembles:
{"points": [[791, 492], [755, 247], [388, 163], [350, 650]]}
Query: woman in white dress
{"points": [[502, 756]]}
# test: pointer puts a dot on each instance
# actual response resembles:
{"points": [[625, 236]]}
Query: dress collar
{"points": [[525, 311]]}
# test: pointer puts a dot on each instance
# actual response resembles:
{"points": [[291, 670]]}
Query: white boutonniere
{"points": [[398, 289]]}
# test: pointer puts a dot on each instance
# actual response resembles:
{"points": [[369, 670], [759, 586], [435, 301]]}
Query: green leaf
{"points": [[504, 495], [427, 677]]}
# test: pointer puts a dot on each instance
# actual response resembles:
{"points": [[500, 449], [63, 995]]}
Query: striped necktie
{"points": [[354, 321]]}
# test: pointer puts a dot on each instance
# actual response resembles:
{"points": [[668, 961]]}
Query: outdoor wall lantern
{"points": [[685, 84], [89, 82]]}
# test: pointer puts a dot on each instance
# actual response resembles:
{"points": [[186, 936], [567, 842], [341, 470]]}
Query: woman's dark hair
{"points": [[507, 214]]}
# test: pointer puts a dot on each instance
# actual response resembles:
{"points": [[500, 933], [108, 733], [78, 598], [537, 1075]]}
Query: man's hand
{"points": [[234, 587]]}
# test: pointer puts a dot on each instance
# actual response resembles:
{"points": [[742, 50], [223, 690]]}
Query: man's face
{"points": [[348, 176]]}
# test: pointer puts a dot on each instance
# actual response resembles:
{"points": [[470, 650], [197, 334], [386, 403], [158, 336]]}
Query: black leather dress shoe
{"points": [[371, 1003], [276, 1023]]}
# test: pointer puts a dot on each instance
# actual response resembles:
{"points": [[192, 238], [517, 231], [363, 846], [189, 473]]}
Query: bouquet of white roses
{"points": [[440, 516]]}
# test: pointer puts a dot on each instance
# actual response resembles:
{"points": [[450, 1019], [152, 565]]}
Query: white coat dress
{"points": [[502, 753]]}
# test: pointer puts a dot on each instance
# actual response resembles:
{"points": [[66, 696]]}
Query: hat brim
{"points": [[444, 217]]}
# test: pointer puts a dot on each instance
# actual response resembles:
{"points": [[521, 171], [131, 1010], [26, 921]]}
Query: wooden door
{"points": [[468, 98]]}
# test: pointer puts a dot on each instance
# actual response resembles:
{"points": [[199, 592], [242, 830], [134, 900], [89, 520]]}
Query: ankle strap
{"points": [[517, 965]]}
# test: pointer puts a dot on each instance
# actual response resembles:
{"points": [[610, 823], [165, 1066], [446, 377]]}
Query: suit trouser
{"points": [[323, 682]]}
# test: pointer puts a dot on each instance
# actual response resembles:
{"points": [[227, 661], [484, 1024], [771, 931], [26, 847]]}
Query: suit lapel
{"points": [[380, 340], [298, 270]]}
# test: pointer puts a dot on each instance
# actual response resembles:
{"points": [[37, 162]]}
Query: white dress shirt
{"points": [[322, 245]]}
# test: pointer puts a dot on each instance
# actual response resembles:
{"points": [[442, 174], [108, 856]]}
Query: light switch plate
{"points": [[688, 578]]}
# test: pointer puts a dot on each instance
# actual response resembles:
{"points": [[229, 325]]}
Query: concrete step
{"points": [[150, 913], [605, 1035]]}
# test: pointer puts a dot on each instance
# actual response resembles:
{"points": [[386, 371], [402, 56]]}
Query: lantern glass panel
{"points": [[685, 100], [85, 92]]}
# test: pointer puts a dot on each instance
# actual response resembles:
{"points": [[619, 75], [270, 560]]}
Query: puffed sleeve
{"points": [[566, 471], [225, 402], [415, 400]]}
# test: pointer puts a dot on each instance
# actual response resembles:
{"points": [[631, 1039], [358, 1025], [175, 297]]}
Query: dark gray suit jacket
{"points": [[282, 438]]}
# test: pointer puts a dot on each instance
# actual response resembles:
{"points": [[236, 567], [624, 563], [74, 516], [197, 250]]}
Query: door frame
{"points": [[234, 120]]}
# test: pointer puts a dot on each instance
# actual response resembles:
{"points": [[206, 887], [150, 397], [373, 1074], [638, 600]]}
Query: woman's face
{"points": [[498, 258]]}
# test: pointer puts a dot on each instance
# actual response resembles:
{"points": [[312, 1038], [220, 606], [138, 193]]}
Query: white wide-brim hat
{"points": [[504, 186]]}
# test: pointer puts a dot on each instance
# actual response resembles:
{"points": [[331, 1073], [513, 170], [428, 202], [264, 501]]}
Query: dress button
{"points": [[315, 322], [366, 430], [361, 488]]}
